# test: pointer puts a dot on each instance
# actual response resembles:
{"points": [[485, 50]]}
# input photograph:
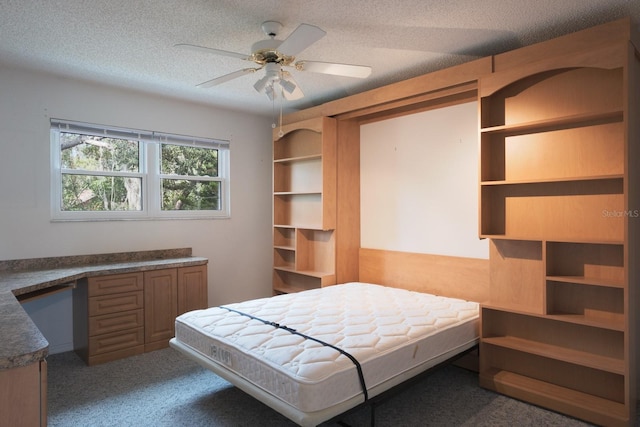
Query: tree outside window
{"points": [[103, 173]]}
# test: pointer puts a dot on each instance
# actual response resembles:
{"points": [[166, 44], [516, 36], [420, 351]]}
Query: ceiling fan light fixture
{"points": [[270, 92], [261, 83], [271, 77], [287, 85]]}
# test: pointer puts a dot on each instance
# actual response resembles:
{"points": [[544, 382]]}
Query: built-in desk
{"points": [[23, 348]]}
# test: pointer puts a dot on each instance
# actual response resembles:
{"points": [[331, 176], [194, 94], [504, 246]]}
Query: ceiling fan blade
{"points": [[227, 77], [357, 71], [211, 50], [300, 39]]}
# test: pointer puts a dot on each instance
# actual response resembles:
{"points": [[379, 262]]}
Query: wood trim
{"points": [[348, 201], [587, 40], [457, 277], [454, 95], [632, 225], [315, 124], [392, 93], [609, 57]]}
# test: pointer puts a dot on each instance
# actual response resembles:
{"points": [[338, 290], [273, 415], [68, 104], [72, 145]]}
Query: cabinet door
{"points": [[192, 288], [160, 305], [23, 395]]}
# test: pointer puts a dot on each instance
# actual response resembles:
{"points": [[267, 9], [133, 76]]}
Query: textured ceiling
{"points": [[130, 43]]}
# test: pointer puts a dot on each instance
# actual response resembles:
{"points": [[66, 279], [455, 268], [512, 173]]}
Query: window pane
{"points": [[101, 193], [182, 194], [92, 153], [189, 161]]}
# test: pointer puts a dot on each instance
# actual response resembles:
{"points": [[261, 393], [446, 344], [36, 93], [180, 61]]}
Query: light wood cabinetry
{"points": [[304, 205], [23, 395], [110, 317], [121, 315], [558, 194], [160, 307], [192, 288]]}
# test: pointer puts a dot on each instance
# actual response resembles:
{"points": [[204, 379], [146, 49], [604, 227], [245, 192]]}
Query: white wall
{"points": [[419, 183], [238, 249]]}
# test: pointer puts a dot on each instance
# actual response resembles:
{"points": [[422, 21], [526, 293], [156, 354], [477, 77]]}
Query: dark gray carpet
{"points": [[163, 388]]}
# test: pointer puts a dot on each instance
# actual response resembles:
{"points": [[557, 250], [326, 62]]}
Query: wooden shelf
{"points": [[299, 158], [296, 193], [570, 121], [579, 319], [608, 364], [304, 213], [549, 211], [531, 239], [557, 185], [561, 399], [301, 226], [584, 153], [310, 273], [564, 318], [553, 180], [592, 281]]}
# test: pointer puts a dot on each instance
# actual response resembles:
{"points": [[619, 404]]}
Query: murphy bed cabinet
{"points": [[559, 203], [121, 315], [304, 205]]}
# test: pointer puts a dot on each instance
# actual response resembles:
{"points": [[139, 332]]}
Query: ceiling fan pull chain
{"points": [[281, 133], [273, 114]]}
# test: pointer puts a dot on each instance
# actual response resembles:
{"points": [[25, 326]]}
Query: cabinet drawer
{"points": [[106, 304], [115, 322], [114, 284], [116, 341]]}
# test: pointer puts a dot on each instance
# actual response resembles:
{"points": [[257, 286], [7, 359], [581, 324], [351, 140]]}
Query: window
{"points": [[101, 173]]}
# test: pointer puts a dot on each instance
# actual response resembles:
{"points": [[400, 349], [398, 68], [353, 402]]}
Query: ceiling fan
{"points": [[273, 55]]}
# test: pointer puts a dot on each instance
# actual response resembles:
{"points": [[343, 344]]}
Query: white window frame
{"points": [[149, 152]]}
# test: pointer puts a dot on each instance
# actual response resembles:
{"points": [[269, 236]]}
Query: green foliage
{"points": [[84, 192], [188, 161], [110, 190], [183, 194], [190, 195], [100, 193], [93, 153]]}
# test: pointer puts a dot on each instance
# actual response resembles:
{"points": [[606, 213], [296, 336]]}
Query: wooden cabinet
{"points": [[114, 318], [558, 199], [121, 315], [23, 395], [304, 205], [192, 288], [160, 307]]}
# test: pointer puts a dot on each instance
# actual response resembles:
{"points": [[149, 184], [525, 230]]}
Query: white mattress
{"points": [[391, 332]]}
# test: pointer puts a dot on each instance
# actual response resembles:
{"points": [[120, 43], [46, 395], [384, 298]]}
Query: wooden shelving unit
{"points": [[304, 205], [557, 192]]}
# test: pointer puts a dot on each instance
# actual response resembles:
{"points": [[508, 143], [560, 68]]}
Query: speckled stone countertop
{"points": [[21, 343]]}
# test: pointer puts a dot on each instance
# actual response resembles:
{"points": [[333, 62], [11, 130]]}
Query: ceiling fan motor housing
{"points": [[271, 28], [266, 51]]}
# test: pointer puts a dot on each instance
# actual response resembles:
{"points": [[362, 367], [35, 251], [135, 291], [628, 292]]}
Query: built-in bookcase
{"points": [[304, 205], [556, 200]]}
